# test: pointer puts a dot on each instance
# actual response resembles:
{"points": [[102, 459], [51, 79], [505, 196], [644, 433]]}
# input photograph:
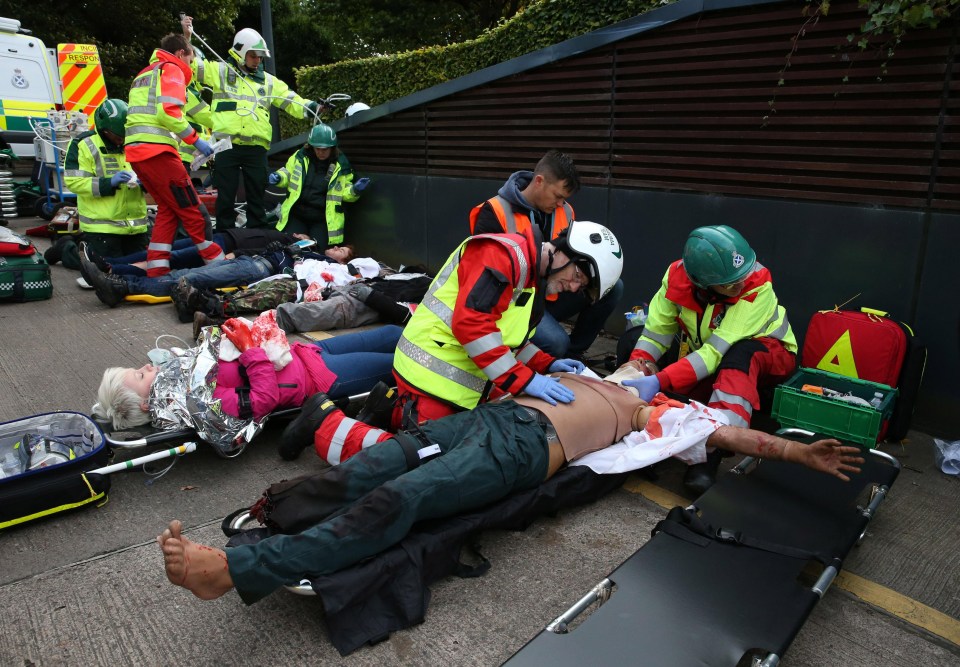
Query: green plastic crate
{"points": [[831, 416]]}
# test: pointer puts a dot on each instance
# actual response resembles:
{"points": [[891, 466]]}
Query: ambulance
{"points": [[29, 86]]}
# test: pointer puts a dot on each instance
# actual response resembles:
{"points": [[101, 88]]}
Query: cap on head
{"points": [[717, 255]]}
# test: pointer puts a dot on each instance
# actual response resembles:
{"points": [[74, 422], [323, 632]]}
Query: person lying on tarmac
{"points": [[235, 242], [243, 270], [389, 298], [341, 366], [473, 458]]}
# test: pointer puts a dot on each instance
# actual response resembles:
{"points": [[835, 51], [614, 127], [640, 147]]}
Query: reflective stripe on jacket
{"points": [[241, 104], [200, 118], [516, 221], [519, 222], [102, 209], [709, 329], [155, 109], [457, 354], [339, 190]]}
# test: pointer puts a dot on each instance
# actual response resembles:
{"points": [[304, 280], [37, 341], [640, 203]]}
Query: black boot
{"points": [[54, 253], [377, 410], [390, 311], [299, 433], [110, 288], [701, 476], [201, 320], [183, 295]]}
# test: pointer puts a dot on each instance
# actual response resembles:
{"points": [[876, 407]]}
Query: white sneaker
{"points": [[83, 283]]}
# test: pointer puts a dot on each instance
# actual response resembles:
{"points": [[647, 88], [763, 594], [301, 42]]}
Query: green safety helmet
{"points": [[111, 115], [717, 255], [322, 136]]}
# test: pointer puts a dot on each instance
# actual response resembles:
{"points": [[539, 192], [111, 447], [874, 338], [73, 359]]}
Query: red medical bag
{"points": [[868, 345]]}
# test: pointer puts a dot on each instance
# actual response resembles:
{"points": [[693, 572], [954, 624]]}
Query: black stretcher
{"points": [[146, 436], [739, 584]]}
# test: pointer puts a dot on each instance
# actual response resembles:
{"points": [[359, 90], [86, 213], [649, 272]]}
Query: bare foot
{"points": [[200, 569]]}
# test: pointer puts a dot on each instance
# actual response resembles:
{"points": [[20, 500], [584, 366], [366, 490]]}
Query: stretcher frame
{"points": [[159, 437], [679, 602], [152, 299]]}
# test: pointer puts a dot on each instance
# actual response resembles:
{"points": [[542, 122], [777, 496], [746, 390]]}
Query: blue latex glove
{"points": [[567, 366], [648, 386], [203, 147], [273, 178], [120, 177], [361, 184], [548, 389]]}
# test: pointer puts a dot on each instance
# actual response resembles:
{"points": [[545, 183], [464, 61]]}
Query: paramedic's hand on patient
{"points": [[648, 386], [549, 389], [120, 177], [239, 333], [204, 147], [273, 178], [567, 366]]}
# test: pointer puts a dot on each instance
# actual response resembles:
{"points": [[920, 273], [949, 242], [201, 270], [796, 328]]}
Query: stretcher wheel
{"points": [[243, 521], [48, 210]]}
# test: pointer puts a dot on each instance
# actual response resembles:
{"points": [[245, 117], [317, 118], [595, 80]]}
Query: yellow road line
{"points": [[651, 491], [907, 609], [901, 606]]}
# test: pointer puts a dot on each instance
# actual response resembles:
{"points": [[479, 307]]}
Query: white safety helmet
{"points": [[595, 249], [248, 40], [355, 107]]}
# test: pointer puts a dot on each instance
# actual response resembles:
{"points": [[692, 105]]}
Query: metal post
{"points": [[270, 66]]}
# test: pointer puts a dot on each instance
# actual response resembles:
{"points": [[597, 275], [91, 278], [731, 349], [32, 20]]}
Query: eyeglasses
{"points": [[582, 279]]}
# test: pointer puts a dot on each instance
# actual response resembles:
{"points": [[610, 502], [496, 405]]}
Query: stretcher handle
{"points": [[185, 448], [599, 593], [877, 496]]}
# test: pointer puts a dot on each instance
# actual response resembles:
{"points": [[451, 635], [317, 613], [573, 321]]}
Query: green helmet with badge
{"points": [[111, 115], [322, 136], [717, 255]]}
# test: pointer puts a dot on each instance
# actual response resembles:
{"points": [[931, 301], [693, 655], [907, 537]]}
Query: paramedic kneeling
{"points": [[734, 334], [479, 456]]}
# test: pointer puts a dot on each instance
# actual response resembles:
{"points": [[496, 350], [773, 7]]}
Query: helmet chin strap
{"points": [[550, 269]]}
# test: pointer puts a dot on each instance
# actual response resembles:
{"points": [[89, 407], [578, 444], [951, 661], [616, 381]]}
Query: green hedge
{"points": [[384, 78]]}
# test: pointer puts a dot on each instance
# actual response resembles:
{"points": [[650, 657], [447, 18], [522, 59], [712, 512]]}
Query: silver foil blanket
{"points": [[182, 397]]}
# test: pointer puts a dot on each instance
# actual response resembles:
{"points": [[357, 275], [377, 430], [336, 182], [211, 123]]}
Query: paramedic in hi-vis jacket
{"points": [[155, 127], [539, 197], [361, 507], [318, 180], [468, 340], [242, 96], [113, 216], [734, 334]]}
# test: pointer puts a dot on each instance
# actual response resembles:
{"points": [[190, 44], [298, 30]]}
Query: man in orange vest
{"points": [[539, 198]]}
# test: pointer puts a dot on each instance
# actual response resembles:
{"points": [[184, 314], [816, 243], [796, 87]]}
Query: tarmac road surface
{"points": [[88, 587]]}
